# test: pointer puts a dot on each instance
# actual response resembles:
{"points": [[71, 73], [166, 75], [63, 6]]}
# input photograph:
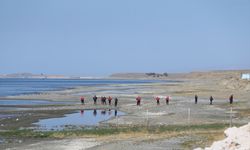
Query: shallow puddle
{"points": [[80, 118], [8, 116], [29, 102]]}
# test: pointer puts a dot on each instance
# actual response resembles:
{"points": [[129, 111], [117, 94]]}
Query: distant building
{"points": [[245, 76]]}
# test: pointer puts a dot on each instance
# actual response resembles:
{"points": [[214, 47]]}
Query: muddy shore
{"points": [[180, 111]]}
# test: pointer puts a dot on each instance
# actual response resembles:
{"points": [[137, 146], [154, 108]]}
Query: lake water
{"points": [[79, 118], [10, 87], [28, 86], [29, 102]]}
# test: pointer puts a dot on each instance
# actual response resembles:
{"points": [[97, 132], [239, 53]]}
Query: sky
{"points": [[101, 37]]}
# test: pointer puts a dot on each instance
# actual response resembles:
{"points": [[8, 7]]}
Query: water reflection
{"points": [[110, 112], [80, 118], [103, 112], [94, 112], [116, 112], [82, 111]]}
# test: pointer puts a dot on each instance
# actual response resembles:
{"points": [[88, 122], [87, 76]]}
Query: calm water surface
{"points": [[28, 86], [29, 102], [79, 118]]}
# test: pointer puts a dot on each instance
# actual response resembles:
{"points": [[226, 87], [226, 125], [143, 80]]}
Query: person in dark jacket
{"points": [[211, 100], [104, 100], [196, 99], [95, 99], [167, 99], [116, 101], [231, 98]]}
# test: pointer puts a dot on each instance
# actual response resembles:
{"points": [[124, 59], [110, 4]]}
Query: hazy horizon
{"points": [[99, 38]]}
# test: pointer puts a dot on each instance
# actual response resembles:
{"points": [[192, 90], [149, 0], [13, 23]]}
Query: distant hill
{"points": [[128, 75], [30, 75], [215, 74], [150, 75]]}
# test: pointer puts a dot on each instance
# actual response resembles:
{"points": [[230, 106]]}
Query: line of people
{"points": [[167, 99], [139, 99], [103, 100], [231, 99]]}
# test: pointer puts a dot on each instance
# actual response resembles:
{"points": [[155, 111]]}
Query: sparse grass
{"points": [[243, 112], [205, 139], [199, 135], [105, 131], [25, 133]]}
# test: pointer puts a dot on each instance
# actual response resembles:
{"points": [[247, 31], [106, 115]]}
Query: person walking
{"points": [[104, 100], [82, 100], [157, 100], [109, 99], [116, 101], [196, 99], [231, 99], [138, 100], [167, 99], [211, 100], [95, 99]]}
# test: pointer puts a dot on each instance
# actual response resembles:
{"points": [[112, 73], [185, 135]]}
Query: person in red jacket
{"points": [[138, 100], [157, 100], [109, 99], [82, 100]]}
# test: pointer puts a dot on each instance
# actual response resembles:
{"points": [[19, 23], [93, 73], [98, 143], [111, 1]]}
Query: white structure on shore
{"points": [[245, 76], [236, 139]]}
